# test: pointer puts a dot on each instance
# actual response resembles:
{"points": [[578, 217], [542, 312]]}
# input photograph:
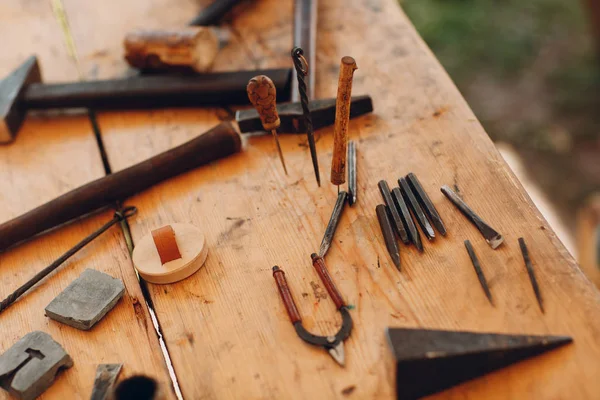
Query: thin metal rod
{"points": [[352, 172], [531, 273], [274, 132], [479, 271], [383, 215], [426, 203], [301, 66], [396, 219], [414, 205], [119, 216], [333, 223], [413, 232], [305, 36]]}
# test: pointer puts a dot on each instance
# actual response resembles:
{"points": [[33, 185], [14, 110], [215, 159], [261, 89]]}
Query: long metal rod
{"points": [[305, 37], [479, 271], [531, 273], [333, 223], [11, 298]]}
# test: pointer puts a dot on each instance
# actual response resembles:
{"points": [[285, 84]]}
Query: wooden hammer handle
{"points": [[262, 95], [342, 119], [212, 145]]}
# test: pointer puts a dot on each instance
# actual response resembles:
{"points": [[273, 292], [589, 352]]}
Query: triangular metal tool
{"points": [[429, 361], [12, 87]]}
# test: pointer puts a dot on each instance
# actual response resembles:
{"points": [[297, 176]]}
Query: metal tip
{"points": [[337, 353], [274, 132], [275, 268], [495, 242]]}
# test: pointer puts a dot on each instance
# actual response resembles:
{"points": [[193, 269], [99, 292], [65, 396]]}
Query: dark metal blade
{"points": [[333, 223], [414, 205], [429, 361], [426, 203]]}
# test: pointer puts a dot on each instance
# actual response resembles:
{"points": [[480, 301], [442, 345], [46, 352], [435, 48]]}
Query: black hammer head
{"points": [[11, 90]]}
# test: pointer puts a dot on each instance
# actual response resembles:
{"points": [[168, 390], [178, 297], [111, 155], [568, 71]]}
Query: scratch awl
{"points": [[493, 238], [388, 234], [262, 94]]}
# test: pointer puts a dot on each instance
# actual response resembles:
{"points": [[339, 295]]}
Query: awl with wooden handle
{"points": [[262, 95], [342, 120]]}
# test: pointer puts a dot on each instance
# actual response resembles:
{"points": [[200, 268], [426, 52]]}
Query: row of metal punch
{"points": [[409, 200]]}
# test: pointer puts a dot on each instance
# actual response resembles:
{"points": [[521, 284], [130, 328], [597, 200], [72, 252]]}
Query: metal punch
{"points": [[334, 344]]}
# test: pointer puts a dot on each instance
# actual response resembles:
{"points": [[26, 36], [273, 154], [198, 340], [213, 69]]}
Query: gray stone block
{"points": [[86, 300], [29, 367]]}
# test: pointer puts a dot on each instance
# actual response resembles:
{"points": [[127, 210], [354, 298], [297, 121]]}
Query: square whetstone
{"points": [[86, 300]]}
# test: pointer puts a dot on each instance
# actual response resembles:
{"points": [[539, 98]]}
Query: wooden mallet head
{"points": [[12, 88]]}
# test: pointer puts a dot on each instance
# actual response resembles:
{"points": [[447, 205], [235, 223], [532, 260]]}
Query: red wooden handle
{"points": [[286, 295], [319, 264]]}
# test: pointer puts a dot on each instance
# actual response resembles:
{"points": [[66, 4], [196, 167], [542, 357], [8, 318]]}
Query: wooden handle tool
{"points": [[184, 48], [342, 119], [262, 95]]}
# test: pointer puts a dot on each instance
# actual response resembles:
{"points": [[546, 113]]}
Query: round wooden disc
{"points": [[193, 249]]}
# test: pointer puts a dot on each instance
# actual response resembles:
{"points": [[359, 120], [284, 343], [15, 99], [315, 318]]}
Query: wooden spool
{"points": [[170, 254], [188, 47]]}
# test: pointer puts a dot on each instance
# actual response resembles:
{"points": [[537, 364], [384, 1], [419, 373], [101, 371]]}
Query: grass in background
{"points": [[529, 71]]}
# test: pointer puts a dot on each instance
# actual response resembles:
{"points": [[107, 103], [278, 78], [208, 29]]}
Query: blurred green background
{"points": [[531, 73]]}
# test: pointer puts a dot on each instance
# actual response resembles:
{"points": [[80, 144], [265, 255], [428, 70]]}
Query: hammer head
{"points": [[12, 111]]}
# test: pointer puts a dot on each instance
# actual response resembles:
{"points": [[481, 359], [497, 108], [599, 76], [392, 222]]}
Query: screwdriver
{"points": [[342, 120], [262, 94]]}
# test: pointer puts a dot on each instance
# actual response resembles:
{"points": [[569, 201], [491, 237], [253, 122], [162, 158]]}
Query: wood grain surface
{"points": [[226, 329], [51, 156]]}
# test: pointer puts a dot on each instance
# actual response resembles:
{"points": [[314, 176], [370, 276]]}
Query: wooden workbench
{"points": [[225, 328]]}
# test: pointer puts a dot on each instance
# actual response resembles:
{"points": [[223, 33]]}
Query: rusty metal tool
{"points": [[262, 94], [479, 271], [305, 37], [301, 66], [292, 117], [106, 376], [333, 223], [414, 205], [22, 90], [426, 203], [396, 219], [119, 216], [430, 361], [334, 344], [219, 142], [412, 231], [352, 188], [493, 238], [531, 273], [342, 120], [383, 215]]}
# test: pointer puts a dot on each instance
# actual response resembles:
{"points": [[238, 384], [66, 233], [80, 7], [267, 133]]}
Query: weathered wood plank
{"points": [[226, 328], [51, 156]]}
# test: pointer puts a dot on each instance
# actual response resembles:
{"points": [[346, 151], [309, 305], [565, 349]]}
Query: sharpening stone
{"points": [[86, 300]]}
